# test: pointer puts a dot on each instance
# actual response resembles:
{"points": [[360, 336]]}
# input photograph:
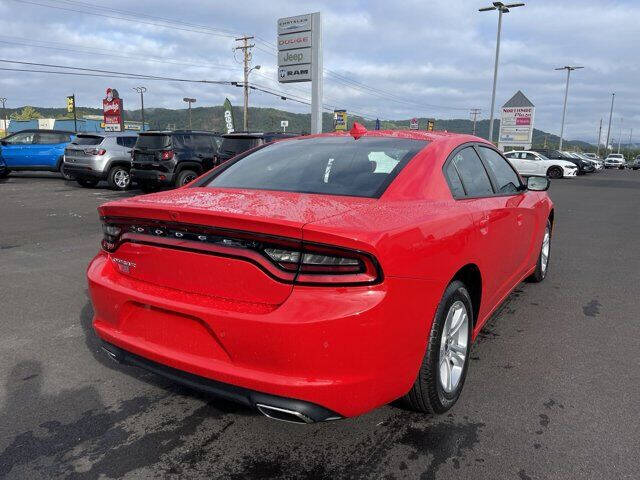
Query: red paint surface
{"points": [[350, 349]]}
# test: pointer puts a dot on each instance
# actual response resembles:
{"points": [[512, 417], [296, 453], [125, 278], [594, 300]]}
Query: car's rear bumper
{"points": [[80, 171], [155, 176], [348, 350]]}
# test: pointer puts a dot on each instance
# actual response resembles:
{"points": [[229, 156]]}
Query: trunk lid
{"points": [[182, 266]]}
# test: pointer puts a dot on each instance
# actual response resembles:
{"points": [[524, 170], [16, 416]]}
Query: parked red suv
{"points": [[321, 277]]}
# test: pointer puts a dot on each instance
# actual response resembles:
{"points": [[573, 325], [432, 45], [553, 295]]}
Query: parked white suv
{"points": [[615, 160], [527, 162]]}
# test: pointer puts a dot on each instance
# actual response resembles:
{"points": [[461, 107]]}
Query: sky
{"points": [[412, 58]]}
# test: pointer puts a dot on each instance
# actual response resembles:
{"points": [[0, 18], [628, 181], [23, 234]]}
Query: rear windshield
{"points": [[238, 145], [153, 142], [87, 140], [325, 165]]}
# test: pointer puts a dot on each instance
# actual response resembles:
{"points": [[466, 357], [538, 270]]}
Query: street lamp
{"points": [[569, 69], [141, 91], [4, 114], [501, 8], [245, 118], [189, 101], [606, 146]]}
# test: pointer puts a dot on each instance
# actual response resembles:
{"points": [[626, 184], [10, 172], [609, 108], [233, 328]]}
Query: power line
{"points": [[208, 30]]}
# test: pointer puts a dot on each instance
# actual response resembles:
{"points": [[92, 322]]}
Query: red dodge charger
{"points": [[323, 276]]}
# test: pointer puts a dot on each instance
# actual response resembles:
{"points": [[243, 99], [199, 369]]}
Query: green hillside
{"points": [[268, 119]]}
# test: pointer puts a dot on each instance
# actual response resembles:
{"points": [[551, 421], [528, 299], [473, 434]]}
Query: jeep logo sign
{"points": [[294, 57]]}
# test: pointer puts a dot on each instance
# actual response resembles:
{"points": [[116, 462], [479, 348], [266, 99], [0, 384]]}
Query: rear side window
{"points": [[51, 138], [127, 142], [202, 142], [324, 165], [153, 142], [506, 178], [237, 145], [454, 181], [472, 173], [87, 140]]}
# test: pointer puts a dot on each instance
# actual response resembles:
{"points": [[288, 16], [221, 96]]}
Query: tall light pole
{"points": [[141, 91], [189, 101], [569, 69], [4, 114], [620, 136], [606, 145], [501, 8]]}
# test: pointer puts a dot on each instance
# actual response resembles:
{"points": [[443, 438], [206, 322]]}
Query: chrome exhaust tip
{"points": [[282, 414]]}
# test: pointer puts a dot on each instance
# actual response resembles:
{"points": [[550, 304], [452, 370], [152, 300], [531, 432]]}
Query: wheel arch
{"points": [[195, 166], [472, 278]]}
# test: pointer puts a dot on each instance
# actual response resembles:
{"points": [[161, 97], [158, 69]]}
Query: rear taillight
{"points": [[167, 155], [95, 151], [287, 260]]}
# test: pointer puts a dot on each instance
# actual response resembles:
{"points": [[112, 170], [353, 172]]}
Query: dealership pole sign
{"points": [[516, 122], [112, 111], [300, 58]]}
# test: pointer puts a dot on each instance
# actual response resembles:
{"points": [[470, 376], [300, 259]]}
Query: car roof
{"points": [[179, 132], [107, 134], [260, 135]]}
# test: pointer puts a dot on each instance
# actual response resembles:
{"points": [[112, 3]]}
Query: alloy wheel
{"points": [[546, 246], [122, 179], [453, 346], [188, 179]]}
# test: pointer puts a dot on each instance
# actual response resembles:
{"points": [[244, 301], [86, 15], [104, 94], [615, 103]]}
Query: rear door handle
{"points": [[519, 219]]}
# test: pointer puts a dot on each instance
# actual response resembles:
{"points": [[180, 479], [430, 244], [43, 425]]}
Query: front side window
{"points": [[325, 165], [472, 173], [506, 178], [23, 138]]}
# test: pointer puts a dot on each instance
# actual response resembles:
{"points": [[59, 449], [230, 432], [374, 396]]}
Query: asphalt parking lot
{"points": [[553, 390]]}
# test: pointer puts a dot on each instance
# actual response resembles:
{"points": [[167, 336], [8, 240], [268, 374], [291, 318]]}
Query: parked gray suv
{"points": [[92, 157]]}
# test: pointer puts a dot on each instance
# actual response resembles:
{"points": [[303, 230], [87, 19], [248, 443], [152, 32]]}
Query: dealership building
{"points": [[86, 124]]}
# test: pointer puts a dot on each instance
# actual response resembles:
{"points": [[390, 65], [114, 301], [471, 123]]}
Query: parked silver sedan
{"points": [[92, 157]]}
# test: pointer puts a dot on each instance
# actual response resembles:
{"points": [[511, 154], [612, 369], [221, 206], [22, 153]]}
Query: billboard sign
{"points": [[340, 120], [112, 111], [516, 122], [294, 40], [516, 125]]}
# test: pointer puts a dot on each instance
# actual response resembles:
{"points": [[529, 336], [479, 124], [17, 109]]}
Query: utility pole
{"points": [[246, 54], [630, 135], [569, 69], [141, 91], [189, 101], [599, 137], [4, 114], [606, 145], [475, 112], [502, 8]]}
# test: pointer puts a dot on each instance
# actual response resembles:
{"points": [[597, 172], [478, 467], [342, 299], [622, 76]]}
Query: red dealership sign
{"points": [[112, 111]]}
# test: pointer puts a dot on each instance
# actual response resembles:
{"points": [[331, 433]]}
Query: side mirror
{"points": [[538, 184]]}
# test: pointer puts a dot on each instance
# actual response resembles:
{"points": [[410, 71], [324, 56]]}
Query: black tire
{"points": [[65, 175], [119, 178], [148, 187], [542, 267], [184, 177], [554, 172], [5, 173], [87, 182], [428, 394]]}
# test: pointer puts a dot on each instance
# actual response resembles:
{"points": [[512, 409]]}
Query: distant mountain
{"points": [[268, 119]]}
